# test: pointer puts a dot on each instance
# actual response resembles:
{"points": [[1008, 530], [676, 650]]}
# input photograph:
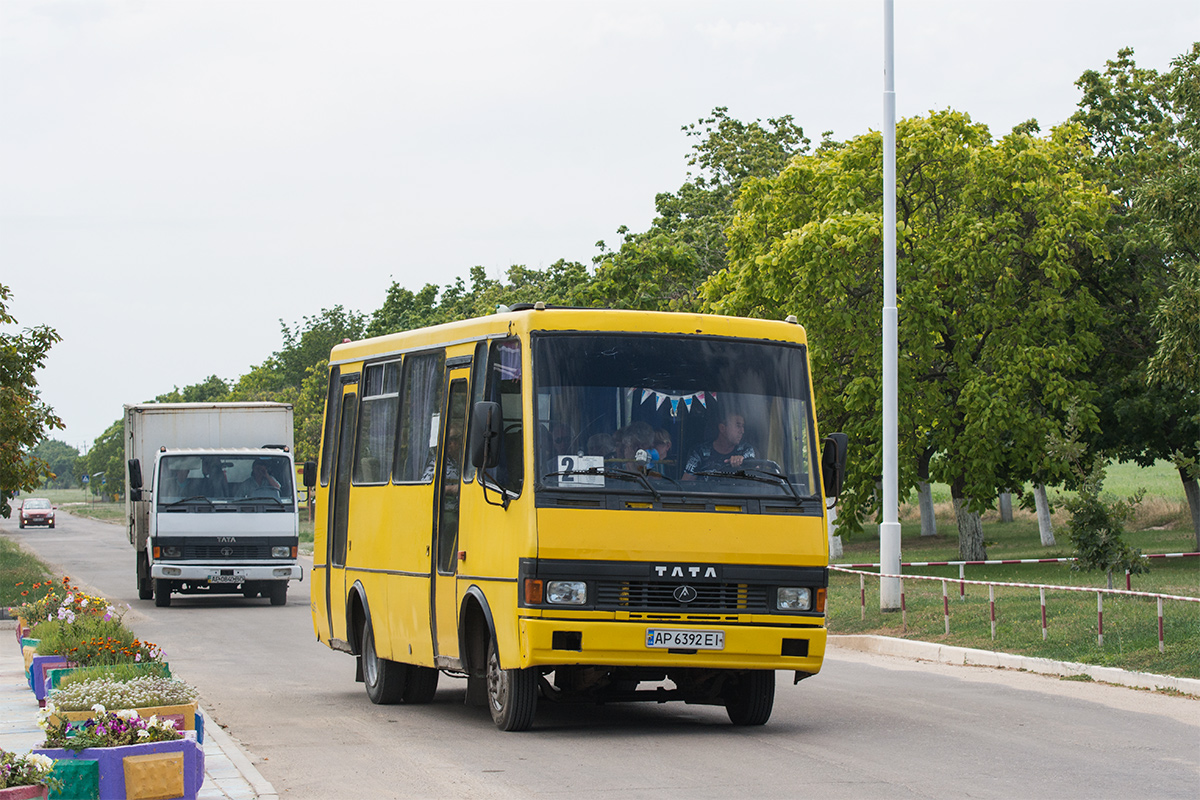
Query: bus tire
{"points": [[162, 593], [385, 680], [422, 685], [512, 693], [145, 584], [278, 593], [751, 697]]}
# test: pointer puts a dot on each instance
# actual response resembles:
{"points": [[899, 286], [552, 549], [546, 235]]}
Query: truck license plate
{"points": [[237, 577], [685, 639]]}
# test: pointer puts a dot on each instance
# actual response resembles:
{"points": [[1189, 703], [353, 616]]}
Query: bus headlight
{"points": [[566, 593], [794, 599]]}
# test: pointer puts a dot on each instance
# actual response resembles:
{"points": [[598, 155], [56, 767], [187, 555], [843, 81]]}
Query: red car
{"points": [[35, 511]]}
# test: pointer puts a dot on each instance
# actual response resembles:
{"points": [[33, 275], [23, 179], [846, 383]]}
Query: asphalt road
{"points": [[867, 726]]}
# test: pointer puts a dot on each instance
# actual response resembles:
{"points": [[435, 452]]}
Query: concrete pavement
{"points": [[229, 773]]}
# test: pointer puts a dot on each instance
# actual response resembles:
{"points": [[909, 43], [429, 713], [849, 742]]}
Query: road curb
{"points": [[965, 656], [237, 755]]}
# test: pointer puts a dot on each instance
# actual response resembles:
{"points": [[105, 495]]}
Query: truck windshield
{"points": [[210, 480], [661, 414]]}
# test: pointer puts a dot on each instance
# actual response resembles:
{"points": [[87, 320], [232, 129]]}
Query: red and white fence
{"points": [[862, 577]]}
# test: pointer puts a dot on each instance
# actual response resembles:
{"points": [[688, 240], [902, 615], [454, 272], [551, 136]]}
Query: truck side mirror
{"points": [[135, 480], [310, 475], [484, 436], [833, 462]]}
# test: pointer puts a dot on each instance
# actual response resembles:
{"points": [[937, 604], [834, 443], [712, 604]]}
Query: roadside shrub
{"points": [[141, 692], [91, 640], [117, 672]]}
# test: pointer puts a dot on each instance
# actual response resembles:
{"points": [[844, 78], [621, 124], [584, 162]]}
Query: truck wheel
{"points": [[162, 593], [278, 593], [512, 693], [422, 685], [385, 680], [751, 697], [145, 585]]}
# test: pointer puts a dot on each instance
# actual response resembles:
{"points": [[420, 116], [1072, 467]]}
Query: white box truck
{"points": [[219, 512]]}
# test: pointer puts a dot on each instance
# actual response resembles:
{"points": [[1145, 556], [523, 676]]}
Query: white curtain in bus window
{"points": [[420, 405], [377, 423]]}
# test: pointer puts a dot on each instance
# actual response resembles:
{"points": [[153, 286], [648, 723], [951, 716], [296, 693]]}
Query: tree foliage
{"points": [[60, 459], [995, 319], [24, 418], [663, 268]]}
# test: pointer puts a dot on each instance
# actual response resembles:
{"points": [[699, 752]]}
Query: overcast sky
{"points": [[176, 177]]}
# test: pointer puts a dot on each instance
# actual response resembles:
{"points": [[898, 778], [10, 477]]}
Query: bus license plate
{"points": [[685, 639], [235, 578]]}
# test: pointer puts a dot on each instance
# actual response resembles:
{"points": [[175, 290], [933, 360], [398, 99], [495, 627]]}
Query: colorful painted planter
{"points": [[186, 717], [160, 770], [24, 793]]}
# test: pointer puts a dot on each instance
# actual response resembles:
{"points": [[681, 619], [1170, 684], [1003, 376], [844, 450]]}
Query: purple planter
{"points": [[158, 769], [37, 674]]}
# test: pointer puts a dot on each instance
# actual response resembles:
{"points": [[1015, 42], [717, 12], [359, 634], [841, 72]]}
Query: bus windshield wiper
{"points": [[625, 475], [754, 474], [189, 500]]}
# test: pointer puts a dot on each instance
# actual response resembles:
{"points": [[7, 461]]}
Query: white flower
{"points": [[98, 708], [127, 713], [40, 762], [142, 734], [83, 603]]}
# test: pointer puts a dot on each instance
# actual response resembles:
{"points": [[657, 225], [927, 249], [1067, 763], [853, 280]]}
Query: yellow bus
{"points": [[576, 505]]}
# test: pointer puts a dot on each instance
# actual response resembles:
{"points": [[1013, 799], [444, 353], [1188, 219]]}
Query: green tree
{"points": [[105, 462], [1144, 127], [210, 390], [60, 457], [995, 320], [24, 418], [664, 267]]}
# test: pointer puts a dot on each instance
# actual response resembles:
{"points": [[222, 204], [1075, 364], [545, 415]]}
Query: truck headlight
{"points": [[566, 593], [794, 599], [281, 552], [171, 552]]}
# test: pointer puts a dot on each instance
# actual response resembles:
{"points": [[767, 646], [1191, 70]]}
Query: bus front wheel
{"points": [[385, 680], [511, 693], [750, 698]]}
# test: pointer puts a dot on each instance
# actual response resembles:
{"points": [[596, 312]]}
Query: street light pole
{"points": [[889, 530]]}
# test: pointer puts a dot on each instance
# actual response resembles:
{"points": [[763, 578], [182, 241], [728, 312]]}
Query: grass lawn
{"points": [[1163, 525], [18, 572]]}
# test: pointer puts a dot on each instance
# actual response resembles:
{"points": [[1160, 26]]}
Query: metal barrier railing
{"points": [[1041, 587]]}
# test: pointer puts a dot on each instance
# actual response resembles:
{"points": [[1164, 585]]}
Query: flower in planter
{"points": [[106, 729], [110, 691], [31, 769]]}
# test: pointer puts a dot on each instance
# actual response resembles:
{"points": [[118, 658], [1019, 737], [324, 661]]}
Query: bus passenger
{"points": [[727, 451]]}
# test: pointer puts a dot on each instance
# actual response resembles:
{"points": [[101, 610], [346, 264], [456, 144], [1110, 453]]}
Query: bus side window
{"points": [[420, 409], [504, 387]]}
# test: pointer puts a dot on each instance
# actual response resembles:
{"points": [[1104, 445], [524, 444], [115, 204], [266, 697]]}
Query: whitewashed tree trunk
{"points": [[925, 500], [1191, 490], [1043, 515], [1006, 506], [970, 532], [835, 541]]}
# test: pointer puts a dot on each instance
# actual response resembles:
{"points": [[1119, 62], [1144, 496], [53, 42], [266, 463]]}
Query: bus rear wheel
{"points": [[385, 680], [750, 697], [512, 694]]}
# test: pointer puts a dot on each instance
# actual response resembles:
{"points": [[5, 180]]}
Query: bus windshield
{"points": [[675, 414], [193, 481]]}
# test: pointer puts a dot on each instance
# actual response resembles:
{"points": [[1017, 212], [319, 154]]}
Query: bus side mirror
{"points": [[833, 462], [135, 480], [310, 475], [485, 435]]}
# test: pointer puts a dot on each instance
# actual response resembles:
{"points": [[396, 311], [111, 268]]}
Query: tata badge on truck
{"points": [[219, 511]]}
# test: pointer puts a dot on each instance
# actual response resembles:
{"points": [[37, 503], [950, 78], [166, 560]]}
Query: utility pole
{"points": [[889, 530]]}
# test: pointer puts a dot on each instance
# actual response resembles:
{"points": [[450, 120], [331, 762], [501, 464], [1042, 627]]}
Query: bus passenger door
{"points": [[445, 535], [339, 515]]}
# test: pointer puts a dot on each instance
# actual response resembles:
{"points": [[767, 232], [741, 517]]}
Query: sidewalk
{"points": [[228, 771]]}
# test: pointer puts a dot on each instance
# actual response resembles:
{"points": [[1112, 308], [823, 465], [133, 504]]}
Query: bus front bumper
{"points": [[550, 642]]}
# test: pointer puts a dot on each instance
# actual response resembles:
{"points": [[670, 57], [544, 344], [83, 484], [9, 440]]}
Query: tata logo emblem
{"points": [[226, 539], [227, 551], [684, 594], [685, 571]]}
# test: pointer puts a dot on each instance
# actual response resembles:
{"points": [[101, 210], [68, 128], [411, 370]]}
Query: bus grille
{"points": [[226, 552], [657, 596]]}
